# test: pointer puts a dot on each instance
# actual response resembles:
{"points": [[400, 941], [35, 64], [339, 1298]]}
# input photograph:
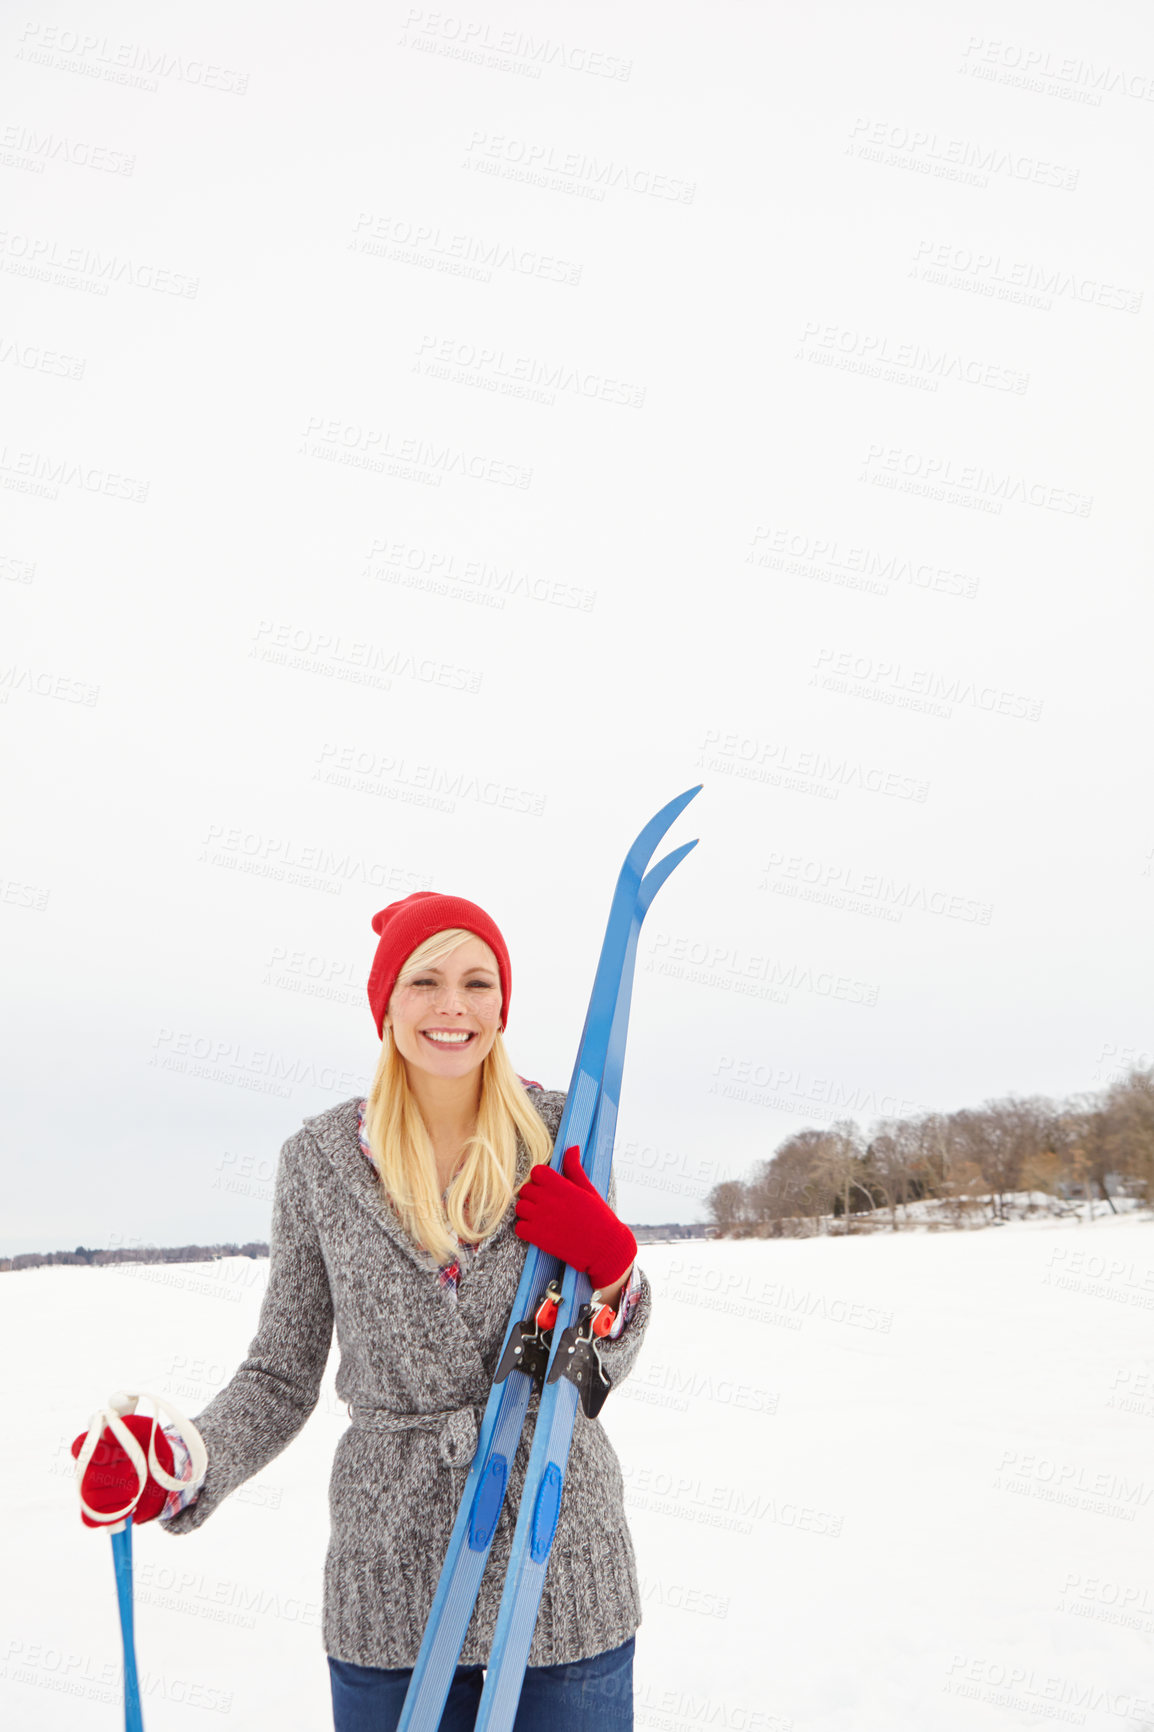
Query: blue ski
{"points": [[574, 1374], [503, 1420]]}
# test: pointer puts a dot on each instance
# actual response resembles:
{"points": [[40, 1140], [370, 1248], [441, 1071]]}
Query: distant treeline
{"points": [[654, 1235], [206, 1253], [133, 1254], [961, 1165]]}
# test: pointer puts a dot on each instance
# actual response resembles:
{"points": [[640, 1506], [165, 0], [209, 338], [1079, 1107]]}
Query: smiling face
{"points": [[445, 1017]]}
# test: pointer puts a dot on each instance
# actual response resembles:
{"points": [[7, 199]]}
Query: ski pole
{"points": [[122, 1564], [118, 1522]]}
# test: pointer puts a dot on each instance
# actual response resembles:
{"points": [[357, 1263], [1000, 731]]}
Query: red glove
{"points": [[568, 1218], [111, 1481]]}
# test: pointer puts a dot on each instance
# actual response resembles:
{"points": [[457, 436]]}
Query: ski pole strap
{"points": [[110, 1417]]}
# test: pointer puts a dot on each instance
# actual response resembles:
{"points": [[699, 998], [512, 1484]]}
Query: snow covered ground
{"points": [[892, 1482]]}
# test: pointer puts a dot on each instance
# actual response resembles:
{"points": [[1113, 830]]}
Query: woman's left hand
{"points": [[562, 1214]]}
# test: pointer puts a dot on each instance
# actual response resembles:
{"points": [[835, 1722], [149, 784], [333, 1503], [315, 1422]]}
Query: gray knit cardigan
{"points": [[415, 1368]]}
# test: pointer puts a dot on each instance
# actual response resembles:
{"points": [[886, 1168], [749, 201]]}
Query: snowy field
{"points": [[887, 1484]]}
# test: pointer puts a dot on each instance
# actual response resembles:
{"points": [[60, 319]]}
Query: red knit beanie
{"points": [[405, 924]]}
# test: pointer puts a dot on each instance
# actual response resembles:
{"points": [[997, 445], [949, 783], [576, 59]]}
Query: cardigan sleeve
{"points": [[627, 1303], [182, 1470], [276, 1386]]}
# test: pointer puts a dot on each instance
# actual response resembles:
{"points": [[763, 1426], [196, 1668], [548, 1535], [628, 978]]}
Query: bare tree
{"points": [[999, 1136], [840, 1166], [896, 1165], [964, 1191], [1128, 1140], [805, 1189], [728, 1204], [1051, 1173]]}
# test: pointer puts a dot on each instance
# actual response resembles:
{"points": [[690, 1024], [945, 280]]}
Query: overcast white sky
{"points": [[429, 447]]}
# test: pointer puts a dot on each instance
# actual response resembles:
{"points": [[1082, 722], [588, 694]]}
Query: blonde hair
{"points": [[483, 1186]]}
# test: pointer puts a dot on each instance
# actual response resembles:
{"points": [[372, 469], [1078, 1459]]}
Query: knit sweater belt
{"points": [[456, 1426]]}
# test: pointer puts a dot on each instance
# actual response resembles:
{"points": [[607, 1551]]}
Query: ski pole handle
{"points": [[111, 1418]]}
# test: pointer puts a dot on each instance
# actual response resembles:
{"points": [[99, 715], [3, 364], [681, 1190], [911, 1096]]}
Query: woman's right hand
{"points": [[125, 1461], [112, 1484]]}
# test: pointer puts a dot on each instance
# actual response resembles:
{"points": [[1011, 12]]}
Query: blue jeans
{"points": [[594, 1695]]}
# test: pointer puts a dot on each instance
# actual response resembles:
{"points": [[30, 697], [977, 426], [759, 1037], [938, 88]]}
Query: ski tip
{"points": [[647, 839], [679, 801], [656, 875]]}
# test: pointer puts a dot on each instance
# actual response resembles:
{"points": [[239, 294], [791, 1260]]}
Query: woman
{"points": [[404, 1219]]}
